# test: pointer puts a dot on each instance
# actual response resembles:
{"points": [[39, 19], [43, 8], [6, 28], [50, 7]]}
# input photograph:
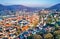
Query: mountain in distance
{"points": [[25, 8], [4, 9], [17, 8], [55, 7]]}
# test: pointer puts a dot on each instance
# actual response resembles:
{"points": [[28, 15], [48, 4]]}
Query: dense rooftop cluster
{"points": [[16, 25], [42, 25]]}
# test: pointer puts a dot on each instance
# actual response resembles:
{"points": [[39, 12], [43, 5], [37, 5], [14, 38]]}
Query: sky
{"points": [[30, 3]]}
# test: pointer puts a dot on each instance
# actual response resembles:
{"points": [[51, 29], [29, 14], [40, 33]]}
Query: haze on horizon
{"points": [[30, 3]]}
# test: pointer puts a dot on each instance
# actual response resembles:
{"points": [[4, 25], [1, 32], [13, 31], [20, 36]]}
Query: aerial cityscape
{"points": [[29, 19]]}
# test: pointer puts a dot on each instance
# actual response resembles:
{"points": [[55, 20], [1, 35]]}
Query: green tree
{"points": [[57, 34], [48, 36], [37, 36], [30, 37]]}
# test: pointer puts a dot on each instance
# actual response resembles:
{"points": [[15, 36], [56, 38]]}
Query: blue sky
{"points": [[31, 3]]}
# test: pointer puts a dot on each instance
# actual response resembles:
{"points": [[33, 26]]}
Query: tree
{"points": [[57, 34], [30, 37], [56, 26], [48, 36], [37, 36]]}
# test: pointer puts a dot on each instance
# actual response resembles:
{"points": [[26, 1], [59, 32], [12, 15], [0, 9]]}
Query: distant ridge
{"points": [[5, 9], [56, 7], [17, 8]]}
